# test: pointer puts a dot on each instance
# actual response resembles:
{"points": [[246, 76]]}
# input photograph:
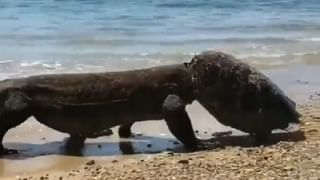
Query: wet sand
{"points": [[42, 149]]}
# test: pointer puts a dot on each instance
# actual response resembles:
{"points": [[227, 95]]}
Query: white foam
{"points": [[144, 54], [261, 55], [6, 61], [28, 64], [314, 39]]}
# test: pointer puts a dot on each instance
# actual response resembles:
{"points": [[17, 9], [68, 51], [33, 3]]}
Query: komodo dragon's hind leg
{"points": [[75, 142], [124, 130], [14, 111]]}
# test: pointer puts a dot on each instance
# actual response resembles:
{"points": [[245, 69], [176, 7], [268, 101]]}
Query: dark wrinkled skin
{"points": [[87, 105], [241, 97]]}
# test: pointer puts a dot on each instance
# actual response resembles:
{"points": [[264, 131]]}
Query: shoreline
{"points": [[43, 156]]}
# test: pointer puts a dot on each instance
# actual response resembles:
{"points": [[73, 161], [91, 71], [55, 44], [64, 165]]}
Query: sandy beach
{"points": [[155, 153]]}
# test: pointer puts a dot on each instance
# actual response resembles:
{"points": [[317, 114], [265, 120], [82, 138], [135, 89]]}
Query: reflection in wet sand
{"points": [[57, 161]]}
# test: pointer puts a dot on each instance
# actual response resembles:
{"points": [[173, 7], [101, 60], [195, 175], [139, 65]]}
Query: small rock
{"points": [[91, 162], [149, 145], [170, 153], [114, 161], [176, 142], [312, 130], [99, 146], [289, 168], [183, 161]]}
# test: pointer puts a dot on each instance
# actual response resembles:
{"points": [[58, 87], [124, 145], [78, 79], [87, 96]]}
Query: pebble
{"points": [[169, 153], [91, 162], [183, 161]]}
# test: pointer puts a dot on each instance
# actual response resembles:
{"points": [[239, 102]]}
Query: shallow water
{"points": [[46, 36]]}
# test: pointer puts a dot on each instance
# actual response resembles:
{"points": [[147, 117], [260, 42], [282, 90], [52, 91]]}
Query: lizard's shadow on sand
{"points": [[139, 145]]}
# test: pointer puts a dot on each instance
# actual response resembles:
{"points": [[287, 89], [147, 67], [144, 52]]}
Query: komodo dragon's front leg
{"points": [[179, 122]]}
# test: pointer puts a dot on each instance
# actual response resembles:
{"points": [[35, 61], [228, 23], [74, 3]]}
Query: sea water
{"points": [[50, 36]]}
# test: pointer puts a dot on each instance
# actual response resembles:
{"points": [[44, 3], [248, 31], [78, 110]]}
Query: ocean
{"points": [[53, 36]]}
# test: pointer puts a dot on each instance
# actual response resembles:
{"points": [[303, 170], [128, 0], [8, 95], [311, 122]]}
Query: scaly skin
{"points": [[83, 105]]}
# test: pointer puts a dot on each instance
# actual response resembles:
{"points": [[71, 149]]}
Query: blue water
{"points": [[90, 35]]}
